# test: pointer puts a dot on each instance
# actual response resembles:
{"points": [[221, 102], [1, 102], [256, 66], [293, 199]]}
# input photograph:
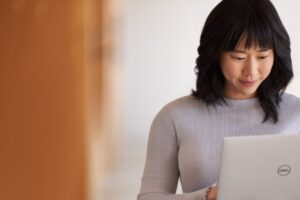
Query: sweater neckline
{"points": [[240, 102]]}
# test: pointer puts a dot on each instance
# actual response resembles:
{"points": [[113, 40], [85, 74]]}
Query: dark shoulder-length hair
{"points": [[228, 23]]}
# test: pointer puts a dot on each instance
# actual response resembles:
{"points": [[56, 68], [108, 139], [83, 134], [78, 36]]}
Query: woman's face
{"points": [[245, 69]]}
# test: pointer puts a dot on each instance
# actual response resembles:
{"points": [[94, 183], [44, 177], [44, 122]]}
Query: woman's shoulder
{"points": [[182, 106], [180, 112], [290, 99], [290, 104], [183, 103]]}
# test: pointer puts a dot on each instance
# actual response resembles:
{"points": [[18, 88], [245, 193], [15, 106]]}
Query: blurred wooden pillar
{"points": [[58, 98], [42, 108], [103, 92]]}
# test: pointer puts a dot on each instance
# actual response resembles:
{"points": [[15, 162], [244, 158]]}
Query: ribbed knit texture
{"points": [[186, 138]]}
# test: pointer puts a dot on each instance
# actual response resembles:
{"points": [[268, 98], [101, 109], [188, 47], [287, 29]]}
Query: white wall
{"points": [[290, 15], [160, 39]]}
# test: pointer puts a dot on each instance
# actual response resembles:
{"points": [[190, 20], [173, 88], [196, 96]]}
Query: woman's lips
{"points": [[247, 83]]}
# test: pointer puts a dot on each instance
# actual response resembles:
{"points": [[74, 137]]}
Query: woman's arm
{"points": [[196, 195], [161, 171]]}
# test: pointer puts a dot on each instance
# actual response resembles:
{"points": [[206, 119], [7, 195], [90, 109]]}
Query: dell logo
{"points": [[284, 170]]}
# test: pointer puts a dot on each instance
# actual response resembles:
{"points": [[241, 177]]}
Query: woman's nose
{"points": [[250, 69]]}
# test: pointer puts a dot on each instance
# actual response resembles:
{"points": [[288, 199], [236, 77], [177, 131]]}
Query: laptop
{"points": [[260, 168]]}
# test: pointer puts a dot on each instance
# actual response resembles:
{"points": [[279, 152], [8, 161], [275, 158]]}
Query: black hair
{"points": [[228, 23]]}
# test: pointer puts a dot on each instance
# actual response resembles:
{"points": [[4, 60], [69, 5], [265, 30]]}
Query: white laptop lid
{"points": [[260, 168]]}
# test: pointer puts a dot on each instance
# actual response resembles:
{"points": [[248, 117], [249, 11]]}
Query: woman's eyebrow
{"points": [[263, 50], [238, 51], [242, 51]]}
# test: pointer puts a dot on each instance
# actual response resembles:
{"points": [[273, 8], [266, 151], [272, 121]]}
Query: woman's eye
{"points": [[235, 57], [239, 58], [262, 57]]}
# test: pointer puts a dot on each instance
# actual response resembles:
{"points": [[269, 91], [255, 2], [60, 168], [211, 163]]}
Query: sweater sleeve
{"points": [[161, 173]]}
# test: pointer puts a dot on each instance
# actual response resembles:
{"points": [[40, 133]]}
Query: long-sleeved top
{"points": [[186, 136]]}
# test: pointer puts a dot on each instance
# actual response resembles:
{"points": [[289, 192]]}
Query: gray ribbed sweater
{"points": [[186, 138]]}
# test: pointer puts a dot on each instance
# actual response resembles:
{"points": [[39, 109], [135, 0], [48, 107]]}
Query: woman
{"points": [[243, 68]]}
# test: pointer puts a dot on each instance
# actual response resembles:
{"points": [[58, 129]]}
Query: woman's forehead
{"points": [[242, 45]]}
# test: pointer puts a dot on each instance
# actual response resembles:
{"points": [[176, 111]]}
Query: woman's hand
{"points": [[212, 193]]}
